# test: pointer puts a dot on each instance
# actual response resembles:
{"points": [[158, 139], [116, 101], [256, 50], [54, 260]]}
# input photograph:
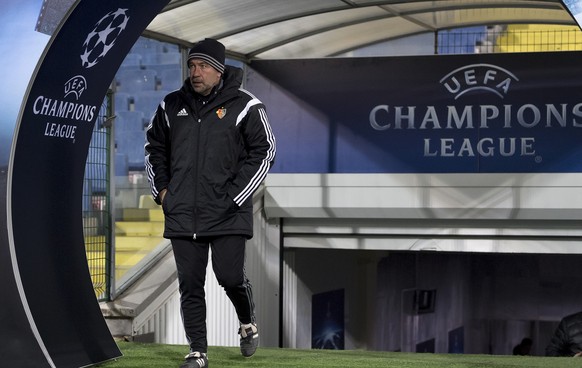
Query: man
{"points": [[209, 146], [567, 340]]}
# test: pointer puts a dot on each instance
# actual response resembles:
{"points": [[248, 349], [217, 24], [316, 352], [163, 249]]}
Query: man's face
{"points": [[203, 76]]}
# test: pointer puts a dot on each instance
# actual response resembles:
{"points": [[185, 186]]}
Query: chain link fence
{"points": [[97, 205], [509, 38]]}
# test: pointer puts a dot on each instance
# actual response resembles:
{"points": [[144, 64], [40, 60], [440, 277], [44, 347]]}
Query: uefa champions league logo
{"points": [[75, 86], [102, 38], [479, 77]]}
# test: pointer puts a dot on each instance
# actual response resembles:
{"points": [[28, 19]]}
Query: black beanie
{"points": [[209, 50]]}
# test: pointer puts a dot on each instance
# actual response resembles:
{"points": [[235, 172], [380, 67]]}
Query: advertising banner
{"points": [[48, 291], [479, 113]]}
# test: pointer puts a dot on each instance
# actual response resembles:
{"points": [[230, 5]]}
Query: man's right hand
{"points": [[162, 195]]}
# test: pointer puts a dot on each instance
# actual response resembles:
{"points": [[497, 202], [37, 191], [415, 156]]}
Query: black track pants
{"points": [[228, 258]]}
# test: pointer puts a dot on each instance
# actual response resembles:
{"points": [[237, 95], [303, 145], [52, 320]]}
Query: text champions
{"points": [[63, 109], [527, 116]]}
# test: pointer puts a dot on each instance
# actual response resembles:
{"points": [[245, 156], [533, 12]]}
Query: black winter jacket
{"points": [[567, 340], [210, 161]]}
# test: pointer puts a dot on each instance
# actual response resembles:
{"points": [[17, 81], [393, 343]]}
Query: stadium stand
{"points": [[148, 101], [121, 165], [129, 121], [123, 101], [170, 78], [136, 80]]}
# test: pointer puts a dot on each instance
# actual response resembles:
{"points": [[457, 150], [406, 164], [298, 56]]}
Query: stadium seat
{"points": [[122, 101], [131, 143], [148, 101], [121, 166], [169, 47], [86, 204], [97, 148], [132, 60], [172, 58], [128, 120], [96, 175], [147, 45], [136, 80], [171, 79]]}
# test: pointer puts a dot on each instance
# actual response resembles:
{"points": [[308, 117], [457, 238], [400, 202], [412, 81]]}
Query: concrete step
{"points": [[136, 243], [143, 214], [129, 250], [139, 228]]}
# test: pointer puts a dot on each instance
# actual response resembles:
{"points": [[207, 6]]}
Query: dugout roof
{"points": [[281, 29]]}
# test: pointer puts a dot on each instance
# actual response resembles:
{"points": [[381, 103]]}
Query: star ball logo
{"points": [[102, 38]]}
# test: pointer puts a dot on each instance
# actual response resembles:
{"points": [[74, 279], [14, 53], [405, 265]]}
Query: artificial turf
{"points": [[140, 355]]}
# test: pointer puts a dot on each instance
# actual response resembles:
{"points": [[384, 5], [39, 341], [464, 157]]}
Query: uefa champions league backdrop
{"points": [[49, 315], [481, 113]]}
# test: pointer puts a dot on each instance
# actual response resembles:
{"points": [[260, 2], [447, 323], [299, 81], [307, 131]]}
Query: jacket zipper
{"points": [[199, 128]]}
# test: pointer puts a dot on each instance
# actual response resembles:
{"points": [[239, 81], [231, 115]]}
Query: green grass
{"points": [[138, 355]]}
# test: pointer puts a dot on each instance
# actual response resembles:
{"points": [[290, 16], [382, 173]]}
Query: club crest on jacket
{"points": [[221, 112]]}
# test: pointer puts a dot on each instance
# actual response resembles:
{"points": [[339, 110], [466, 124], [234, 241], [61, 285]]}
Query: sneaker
{"points": [[195, 360], [249, 339]]}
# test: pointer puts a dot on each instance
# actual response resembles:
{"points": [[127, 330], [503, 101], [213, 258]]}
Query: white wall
{"points": [[517, 213]]}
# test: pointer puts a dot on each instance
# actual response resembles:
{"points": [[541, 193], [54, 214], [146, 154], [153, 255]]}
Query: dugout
{"points": [[482, 233], [390, 185], [434, 218]]}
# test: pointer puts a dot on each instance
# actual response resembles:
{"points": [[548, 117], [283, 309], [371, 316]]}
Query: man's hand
{"points": [[162, 195], [578, 355]]}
